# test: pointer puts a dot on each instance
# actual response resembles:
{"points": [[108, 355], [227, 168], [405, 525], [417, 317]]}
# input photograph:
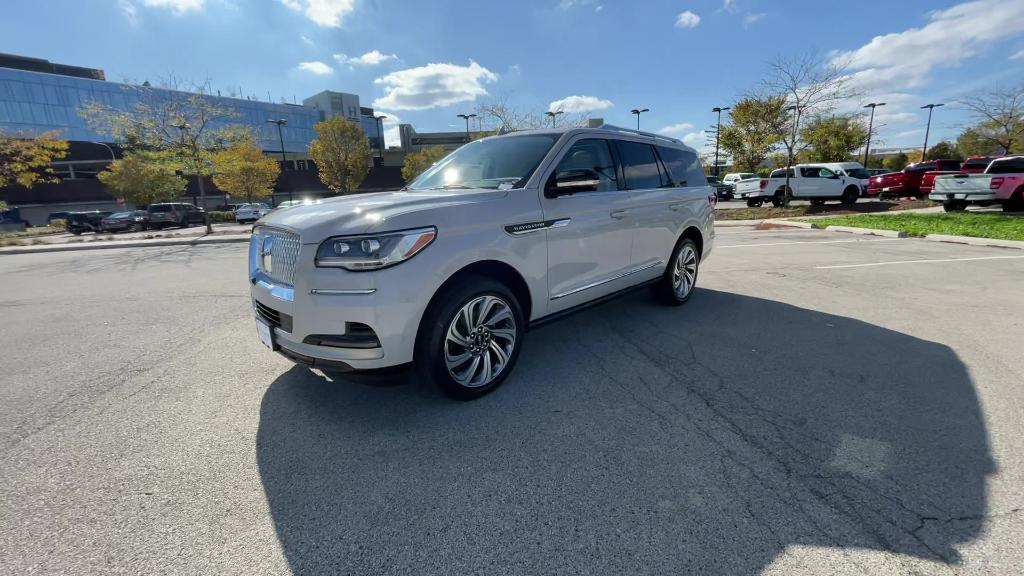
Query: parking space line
{"points": [[919, 262], [809, 242]]}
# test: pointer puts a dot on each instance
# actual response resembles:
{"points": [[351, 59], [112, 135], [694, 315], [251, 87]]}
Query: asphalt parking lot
{"points": [[825, 404]]}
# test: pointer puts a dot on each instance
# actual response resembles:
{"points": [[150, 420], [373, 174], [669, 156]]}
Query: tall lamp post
{"points": [[930, 107], [380, 133], [280, 136], [466, 117], [871, 125], [718, 132], [792, 146], [638, 112], [552, 115]]}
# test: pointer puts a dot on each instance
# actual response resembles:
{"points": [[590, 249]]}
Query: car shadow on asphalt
{"points": [[634, 438]]}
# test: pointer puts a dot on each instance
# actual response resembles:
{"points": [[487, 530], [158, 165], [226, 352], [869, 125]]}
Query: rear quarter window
{"points": [[683, 166], [1008, 166]]}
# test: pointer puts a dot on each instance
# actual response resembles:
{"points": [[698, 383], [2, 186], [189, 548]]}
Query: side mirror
{"points": [[572, 181]]}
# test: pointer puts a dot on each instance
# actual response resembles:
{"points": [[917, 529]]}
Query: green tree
{"points": [[26, 161], [944, 151], [833, 138], [971, 142], [896, 162], [342, 154], [243, 170], [192, 126], [416, 163], [754, 128], [144, 177]]}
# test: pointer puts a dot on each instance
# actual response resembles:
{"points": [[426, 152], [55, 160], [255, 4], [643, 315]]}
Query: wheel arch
{"points": [[496, 269]]}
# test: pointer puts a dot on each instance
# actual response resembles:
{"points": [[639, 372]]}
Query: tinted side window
{"points": [[810, 172], [592, 154], [639, 165], [683, 167], [1008, 166]]}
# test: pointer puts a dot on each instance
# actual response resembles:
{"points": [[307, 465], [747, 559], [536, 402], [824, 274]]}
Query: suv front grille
{"points": [[279, 263]]}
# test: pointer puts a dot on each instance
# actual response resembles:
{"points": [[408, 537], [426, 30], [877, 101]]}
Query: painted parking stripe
{"points": [[919, 262], [807, 242]]}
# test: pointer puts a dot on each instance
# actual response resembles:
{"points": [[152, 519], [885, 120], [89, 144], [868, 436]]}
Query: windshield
{"points": [[160, 208], [506, 162], [120, 215]]}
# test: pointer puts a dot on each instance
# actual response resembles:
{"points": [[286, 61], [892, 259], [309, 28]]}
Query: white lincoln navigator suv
{"points": [[505, 232]]}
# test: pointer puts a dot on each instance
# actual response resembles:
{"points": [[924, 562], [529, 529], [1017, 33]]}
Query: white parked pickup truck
{"points": [[753, 191], [814, 182], [1001, 183]]}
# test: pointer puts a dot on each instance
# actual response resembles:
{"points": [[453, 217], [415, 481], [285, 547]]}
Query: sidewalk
{"points": [[142, 243]]}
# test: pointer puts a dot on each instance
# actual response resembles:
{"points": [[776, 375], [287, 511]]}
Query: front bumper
{"points": [[328, 302]]}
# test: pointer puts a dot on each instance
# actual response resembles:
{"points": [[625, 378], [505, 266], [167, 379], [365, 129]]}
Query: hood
{"points": [[364, 213]]}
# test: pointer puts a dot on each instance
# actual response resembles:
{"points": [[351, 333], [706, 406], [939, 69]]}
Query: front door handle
{"points": [[618, 214], [674, 207]]}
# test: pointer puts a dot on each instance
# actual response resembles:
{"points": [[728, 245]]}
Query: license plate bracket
{"points": [[266, 334]]}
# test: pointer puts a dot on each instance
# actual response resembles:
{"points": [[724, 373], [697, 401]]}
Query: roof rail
{"points": [[639, 133]]}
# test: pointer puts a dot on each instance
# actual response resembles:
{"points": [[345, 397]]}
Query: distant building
{"points": [[38, 96], [413, 141]]}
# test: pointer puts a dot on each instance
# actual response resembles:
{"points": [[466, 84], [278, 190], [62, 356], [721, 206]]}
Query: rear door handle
{"points": [[618, 214]]}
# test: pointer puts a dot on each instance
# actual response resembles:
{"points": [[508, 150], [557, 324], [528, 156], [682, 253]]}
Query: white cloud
{"points": [[178, 6], [306, 40], [567, 4], [697, 141], [676, 129], [433, 85], [326, 13], [1018, 56], [572, 104], [750, 18], [729, 5], [371, 58], [906, 59], [599, 8], [130, 12], [687, 19], [315, 67]]}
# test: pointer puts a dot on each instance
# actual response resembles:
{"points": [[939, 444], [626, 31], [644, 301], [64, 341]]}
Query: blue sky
{"points": [[425, 62]]}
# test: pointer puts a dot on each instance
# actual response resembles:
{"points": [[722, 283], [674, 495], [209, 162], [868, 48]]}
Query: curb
{"points": [[973, 241], [728, 223], [868, 231], [157, 242], [792, 223]]}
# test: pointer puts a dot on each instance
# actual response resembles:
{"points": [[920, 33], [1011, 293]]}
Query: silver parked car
{"points": [[505, 232]]}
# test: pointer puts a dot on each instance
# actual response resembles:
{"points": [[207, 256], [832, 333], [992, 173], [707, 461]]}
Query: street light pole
{"points": [[792, 146], [930, 107], [280, 136], [718, 132], [467, 117], [380, 134], [553, 115], [871, 124], [638, 111]]}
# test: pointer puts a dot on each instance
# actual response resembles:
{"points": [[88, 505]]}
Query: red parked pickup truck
{"points": [[908, 182], [973, 165]]}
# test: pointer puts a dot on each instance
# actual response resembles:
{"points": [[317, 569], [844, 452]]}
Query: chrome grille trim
{"points": [[284, 253]]}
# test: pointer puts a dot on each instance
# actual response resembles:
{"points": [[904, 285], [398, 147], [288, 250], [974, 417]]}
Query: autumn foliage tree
{"points": [[342, 154], [833, 138], [26, 160], [144, 177], [753, 130], [243, 170], [416, 163]]}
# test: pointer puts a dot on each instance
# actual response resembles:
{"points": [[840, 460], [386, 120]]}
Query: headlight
{"points": [[373, 251]]}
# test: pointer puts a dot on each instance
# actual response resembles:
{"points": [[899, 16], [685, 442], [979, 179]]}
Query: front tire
{"points": [[850, 195], [676, 285], [470, 338]]}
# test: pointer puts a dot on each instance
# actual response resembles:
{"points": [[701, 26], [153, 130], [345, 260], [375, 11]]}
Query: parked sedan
{"points": [[79, 222], [135, 221], [251, 212]]}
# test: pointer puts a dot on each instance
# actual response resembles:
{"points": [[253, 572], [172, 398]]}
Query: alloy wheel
{"points": [[684, 272], [480, 341]]}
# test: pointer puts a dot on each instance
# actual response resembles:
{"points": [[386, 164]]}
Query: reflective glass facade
{"points": [[35, 102]]}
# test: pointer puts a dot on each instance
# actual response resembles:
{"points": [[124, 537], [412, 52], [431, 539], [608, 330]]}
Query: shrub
{"points": [[222, 216], [59, 224]]}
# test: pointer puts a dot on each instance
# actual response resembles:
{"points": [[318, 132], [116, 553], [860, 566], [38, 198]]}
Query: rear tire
{"points": [[779, 199], [751, 203], [1015, 203], [954, 205], [676, 285], [470, 338], [850, 195]]}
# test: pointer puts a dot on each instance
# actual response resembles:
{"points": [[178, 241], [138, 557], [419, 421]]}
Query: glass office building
{"points": [[36, 102]]}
